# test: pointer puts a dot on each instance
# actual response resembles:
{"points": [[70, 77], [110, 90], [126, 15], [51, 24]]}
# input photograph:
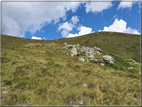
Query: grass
{"points": [[125, 45], [43, 74]]}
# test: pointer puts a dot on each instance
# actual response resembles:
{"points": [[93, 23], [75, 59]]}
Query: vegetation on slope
{"points": [[125, 45], [42, 74]]}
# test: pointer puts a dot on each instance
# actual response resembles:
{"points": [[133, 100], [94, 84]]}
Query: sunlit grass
{"points": [[43, 74]]}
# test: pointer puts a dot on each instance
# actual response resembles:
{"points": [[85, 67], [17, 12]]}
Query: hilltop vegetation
{"points": [[125, 45], [36, 72]]}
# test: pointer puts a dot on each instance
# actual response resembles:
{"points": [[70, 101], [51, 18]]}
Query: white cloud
{"points": [[19, 17], [66, 28], [83, 30], [125, 5], [97, 6], [66, 25], [34, 37], [132, 31], [120, 26], [74, 19]]}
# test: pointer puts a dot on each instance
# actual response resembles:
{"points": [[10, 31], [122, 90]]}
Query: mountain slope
{"points": [[41, 73], [126, 45]]}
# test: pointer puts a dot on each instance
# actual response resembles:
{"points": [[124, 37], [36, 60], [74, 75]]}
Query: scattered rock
{"points": [[4, 92], [109, 59], [81, 58], [133, 61], [77, 45], [130, 68], [85, 84], [102, 64], [81, 102], [65, 44]]}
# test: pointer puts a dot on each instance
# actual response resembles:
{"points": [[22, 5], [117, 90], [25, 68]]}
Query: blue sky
{"points": [[52, 20]]}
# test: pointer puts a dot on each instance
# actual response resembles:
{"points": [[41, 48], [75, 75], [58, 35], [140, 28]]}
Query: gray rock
{"points": [[65, 44], [71, 46], [97, 48], [77, 45], [86, 60], [73, 51], [81, 58], [98, 53], [109, 59], [130, 68], [102, 64], [90, 52]]}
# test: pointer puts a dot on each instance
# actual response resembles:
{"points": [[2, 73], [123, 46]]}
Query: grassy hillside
{"points": [[126, 45], [41, 73]]}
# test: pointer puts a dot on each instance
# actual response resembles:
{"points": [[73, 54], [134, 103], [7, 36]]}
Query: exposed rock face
{"points": [[90, 52], [83, 59], [73, 51], [108, 58], [86, 54]]}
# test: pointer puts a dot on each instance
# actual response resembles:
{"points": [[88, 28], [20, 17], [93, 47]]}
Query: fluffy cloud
{"points": [[74, 19], [132, 31], [19, 17], [66, 25], [66, 28], [34, 37], [97, 6], [120, 26], [124, 4], [82, 31]]}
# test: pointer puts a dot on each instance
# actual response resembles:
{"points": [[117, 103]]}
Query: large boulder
{"points": [[90, 52], [109, 59], [73, 51], [83, 59]]}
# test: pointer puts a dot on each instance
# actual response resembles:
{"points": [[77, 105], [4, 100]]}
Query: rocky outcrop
{"points": [[86, 54], [83, 59], [108, 58]]}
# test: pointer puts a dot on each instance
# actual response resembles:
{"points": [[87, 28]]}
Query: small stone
{"points": [[85, 84], [102, 64], [77, 45], [81, 102], [130, 68], [4, 92], [81, 58], [65, 43]]}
